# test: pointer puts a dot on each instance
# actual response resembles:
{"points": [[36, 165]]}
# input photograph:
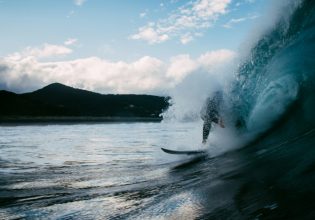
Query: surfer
{"points": [[210, 112]]}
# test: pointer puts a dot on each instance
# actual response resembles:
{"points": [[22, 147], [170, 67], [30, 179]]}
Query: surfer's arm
{"points": [[218, 120]]}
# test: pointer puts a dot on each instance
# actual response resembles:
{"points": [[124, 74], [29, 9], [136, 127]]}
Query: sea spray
{"points": [[188, 96], [261, 79]]}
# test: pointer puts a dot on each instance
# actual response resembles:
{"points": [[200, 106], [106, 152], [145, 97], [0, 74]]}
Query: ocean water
{"points": [[93, 171], [118, 171]]}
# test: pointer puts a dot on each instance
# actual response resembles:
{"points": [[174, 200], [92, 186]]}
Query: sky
{"points": [[119, 46]]}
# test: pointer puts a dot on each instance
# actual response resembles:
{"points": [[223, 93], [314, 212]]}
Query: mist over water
{"points": [[259, 78]]}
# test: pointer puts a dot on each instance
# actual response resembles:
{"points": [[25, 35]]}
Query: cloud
{"points": [[70, 41], [183, 65], [180, 66], [92, 73], [214, 58], [142, 15], [150, 35], [146, 75], [191, 17], [45, 51], [186, 38], [79, 2], [234, 21]]}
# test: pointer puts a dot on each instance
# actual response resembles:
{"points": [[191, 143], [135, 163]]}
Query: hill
{"points": [[57, 100]]}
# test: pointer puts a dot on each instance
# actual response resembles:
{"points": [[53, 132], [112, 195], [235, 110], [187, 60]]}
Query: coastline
{"points": [[20, 120]]}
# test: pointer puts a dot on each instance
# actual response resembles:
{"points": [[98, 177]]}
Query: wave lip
{"points": [[277, 79]]}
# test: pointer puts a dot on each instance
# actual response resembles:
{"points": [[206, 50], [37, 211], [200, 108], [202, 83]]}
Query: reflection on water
{"points": [[117, 171], [93, 171]]}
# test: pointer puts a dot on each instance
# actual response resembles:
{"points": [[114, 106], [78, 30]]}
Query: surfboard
{"points": [[184, 152]]}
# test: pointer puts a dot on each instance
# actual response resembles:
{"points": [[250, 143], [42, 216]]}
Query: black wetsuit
{"points": [[210, 113]]}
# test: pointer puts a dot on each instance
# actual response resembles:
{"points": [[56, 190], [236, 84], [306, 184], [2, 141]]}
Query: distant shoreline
{"points": [[73, 120], [57, 103]]}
